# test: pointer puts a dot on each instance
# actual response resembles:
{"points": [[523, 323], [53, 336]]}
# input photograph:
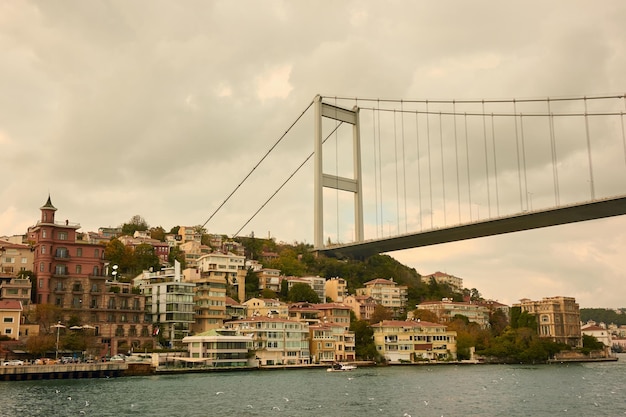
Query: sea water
{"points": [[582, 389]]}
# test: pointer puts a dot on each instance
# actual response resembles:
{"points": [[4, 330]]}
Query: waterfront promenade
{"points": [[64, 371]]}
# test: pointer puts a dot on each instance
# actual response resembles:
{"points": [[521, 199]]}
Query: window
{"points": [[8, 320], [97, 253], [44, 233], [8, 330], [62, 235], [79, 269], [79, 251], [41, 269], [43, 249]]}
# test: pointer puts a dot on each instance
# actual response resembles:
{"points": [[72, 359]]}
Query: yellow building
{"points": [[446, 309], [10, 318], [266, 307], [558, 318], [336, 289], [334, 313], [414, 341], [330, 343], [387, 293], [363, 306], [275, 341]]}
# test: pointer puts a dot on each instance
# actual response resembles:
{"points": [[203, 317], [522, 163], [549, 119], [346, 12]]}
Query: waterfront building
{"points": [[169, 303], [61, 260], [336, 289], [446, 309], [335, 313], [598, 331], [558, 318], [266, 307], [455, 283], [225, 266], [414, 341], [219, 348], [363, 306], [387, 293], [331, 343], [15, 258], [71, 274], [275, 341], [10, 318]]}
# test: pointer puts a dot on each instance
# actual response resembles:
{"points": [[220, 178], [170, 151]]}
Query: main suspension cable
{"points": [[257, 165]]}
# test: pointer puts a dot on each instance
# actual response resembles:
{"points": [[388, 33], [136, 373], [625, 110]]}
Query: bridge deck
{"points": [[598, 209]]}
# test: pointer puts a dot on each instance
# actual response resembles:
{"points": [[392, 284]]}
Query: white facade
{"points": [[229, 266], [276, 341], [169, 302]]}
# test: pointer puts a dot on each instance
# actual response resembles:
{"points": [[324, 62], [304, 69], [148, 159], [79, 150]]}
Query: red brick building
{"points": [[71, 274]]}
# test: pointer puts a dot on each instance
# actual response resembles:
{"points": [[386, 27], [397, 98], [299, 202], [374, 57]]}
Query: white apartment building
{"points": [[276, 341], [169, 302], [387, 293], [446, 309], [455, 283], [228, 266]]}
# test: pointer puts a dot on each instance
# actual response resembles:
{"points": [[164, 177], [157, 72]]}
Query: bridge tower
{"points": [[322, 180]]}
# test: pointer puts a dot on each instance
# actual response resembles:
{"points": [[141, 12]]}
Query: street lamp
{"points": [[58, 327]]}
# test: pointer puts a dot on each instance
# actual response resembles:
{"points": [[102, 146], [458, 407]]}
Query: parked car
{"points": [[117, 358], [14, 362]]}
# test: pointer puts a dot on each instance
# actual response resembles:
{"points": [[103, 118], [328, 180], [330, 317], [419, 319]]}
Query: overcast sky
{"points": [[160, 108]]}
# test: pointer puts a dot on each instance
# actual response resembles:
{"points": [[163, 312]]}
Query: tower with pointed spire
{"points": [[70, 273]]}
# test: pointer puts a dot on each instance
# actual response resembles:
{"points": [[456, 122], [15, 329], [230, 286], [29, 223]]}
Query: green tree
{"points": [[119, 254], [497, 322], [252, 284], [284, 289], [157, 233], [591, 343], [177, 254], [425, 315], [45, 315], [267, 293], [301, 292], [136, 223], [365, 348], [380, 313], [40, 344], [146, 258]]}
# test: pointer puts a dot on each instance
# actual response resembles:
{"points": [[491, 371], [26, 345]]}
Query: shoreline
{"points": [[126, 369]]}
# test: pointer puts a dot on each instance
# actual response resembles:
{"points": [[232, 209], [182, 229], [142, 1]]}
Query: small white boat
{"points": [[340, 367]]}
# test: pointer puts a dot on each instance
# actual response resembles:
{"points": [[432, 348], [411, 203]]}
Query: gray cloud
{"points": [[160, 109]]}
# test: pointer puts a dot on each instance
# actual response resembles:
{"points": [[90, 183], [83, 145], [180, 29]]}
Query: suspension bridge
{"points": [[398, 174]]}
